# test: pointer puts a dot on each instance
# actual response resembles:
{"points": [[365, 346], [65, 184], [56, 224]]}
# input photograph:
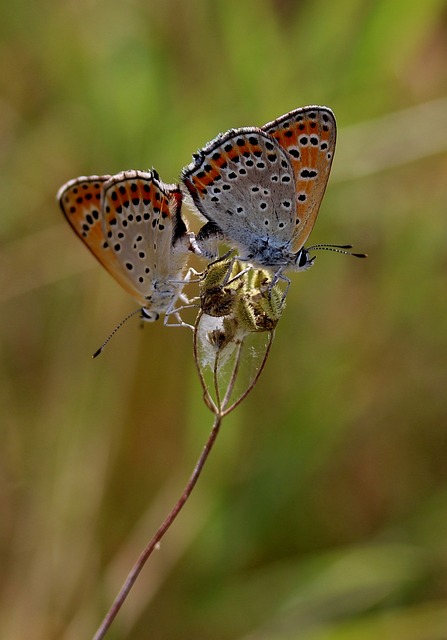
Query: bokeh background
{"points": [[322, 513]]}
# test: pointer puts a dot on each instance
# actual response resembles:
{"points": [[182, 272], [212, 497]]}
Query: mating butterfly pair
{"points": [[260, 190]]}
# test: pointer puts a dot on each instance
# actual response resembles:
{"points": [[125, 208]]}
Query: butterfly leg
{"points": [[279, 275], [176, 315], [174, 312], [228, 279], [187, 277]]}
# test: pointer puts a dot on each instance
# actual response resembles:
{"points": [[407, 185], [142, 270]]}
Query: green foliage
{"points": [[321, 514]]}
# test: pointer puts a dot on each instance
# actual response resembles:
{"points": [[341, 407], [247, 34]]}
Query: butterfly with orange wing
{"points": [[261, 188], [132, 224]]}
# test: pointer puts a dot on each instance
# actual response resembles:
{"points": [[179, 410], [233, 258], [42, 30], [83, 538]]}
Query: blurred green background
{"points": [[322, 513]]}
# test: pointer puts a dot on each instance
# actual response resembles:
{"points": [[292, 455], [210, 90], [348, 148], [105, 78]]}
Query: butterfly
{"points": [[261, 188], [132, 224]]}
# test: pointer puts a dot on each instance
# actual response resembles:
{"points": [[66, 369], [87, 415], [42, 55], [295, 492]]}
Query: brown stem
{"points": [[138, 566]]}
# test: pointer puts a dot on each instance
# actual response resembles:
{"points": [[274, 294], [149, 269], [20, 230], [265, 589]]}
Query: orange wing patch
{"points": [[308, 136], [80, 201]]}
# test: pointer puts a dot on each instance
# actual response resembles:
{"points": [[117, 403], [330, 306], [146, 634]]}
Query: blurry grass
{"points": [[325, 519]]}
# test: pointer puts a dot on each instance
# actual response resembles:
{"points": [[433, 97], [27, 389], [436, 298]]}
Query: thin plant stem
{"points": [[206, 395], [233, 378], [221, 404], [216, 383], [147, 552], [255, 379]]}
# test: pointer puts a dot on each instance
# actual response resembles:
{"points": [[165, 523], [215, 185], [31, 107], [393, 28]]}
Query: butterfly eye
{"points": [[149, 316], [302, 257]]}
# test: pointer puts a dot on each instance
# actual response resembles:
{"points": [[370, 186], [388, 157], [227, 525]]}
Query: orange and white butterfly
{"points": [[132, 224], [261, 188]]}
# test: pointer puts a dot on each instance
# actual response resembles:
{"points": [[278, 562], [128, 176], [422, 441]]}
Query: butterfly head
{"points": [[302, 260], [149, 315]]}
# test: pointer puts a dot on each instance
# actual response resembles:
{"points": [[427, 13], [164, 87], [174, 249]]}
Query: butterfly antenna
{"points": [[96, 354], [338, 248]]}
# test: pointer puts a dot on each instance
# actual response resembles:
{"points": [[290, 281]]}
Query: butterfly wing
{"points": [[80, 201], [143, 225], [308, 136], [243, 183]]}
